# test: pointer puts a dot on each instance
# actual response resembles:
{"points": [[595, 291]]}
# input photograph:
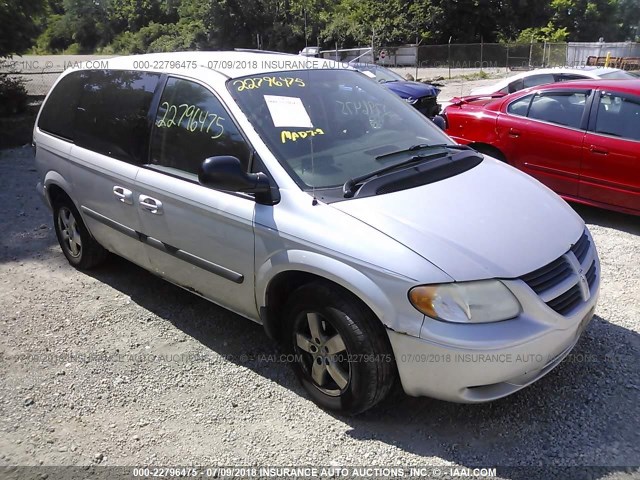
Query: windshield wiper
{"points": [[422, 146], [350, 186]]}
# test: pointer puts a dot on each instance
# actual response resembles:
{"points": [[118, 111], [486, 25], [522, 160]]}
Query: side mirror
{"points": [[226, 173]]}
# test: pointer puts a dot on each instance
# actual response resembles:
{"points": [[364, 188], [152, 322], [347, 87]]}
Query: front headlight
{"points": [[468, 302]]}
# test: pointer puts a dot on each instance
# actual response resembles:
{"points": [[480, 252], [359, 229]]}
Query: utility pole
{"points": [[373, 51], [449, 57], [306, 42]]}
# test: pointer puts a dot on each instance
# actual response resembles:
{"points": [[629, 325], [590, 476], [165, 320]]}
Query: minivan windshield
{"points": [[328, 126], [381, 74]]}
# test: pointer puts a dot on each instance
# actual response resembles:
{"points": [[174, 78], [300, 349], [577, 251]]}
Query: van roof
{"points": [[231, 64]]}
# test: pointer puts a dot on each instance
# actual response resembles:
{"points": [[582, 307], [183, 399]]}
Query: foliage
{"points": [[586, 19], [19, 26], [548, 33], [13, 95], [137, 26]]}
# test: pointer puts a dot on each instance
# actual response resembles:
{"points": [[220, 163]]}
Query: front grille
{"points": [[428, 106], [566, 301], [548, 276], [563, 284], [581, 247]]}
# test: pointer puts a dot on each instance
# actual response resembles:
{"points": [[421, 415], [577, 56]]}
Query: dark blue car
{"points": [[421, 95]]}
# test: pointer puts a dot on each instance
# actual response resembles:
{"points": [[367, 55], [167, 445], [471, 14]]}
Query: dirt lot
{"points": [[118, 367]]}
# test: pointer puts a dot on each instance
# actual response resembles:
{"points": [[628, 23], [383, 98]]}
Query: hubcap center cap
{"points": [[320, 351]]}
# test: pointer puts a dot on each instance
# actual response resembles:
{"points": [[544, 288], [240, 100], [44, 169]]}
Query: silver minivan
{"points": [[302, 195]]}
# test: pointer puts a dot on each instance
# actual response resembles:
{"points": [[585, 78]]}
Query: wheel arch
{"points": [[274, 286], [56, 185], [489, 149]]}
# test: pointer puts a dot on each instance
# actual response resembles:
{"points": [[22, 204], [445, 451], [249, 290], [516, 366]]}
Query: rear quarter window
{"points": [[58, 112], [520, 107]]}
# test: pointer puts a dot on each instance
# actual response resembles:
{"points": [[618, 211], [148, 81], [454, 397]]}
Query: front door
{"points": [[545, 138], [197, 237], [611, 165]]}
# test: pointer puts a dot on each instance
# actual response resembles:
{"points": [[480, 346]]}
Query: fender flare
{"points": [[340, 273], [54, 178]]}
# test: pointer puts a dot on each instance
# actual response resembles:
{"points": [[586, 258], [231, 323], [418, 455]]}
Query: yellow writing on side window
{"points": [[253, 83], [197, 120], [286, 135]]}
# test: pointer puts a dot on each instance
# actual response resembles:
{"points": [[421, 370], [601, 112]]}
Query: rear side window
{"points": [[541, 79], [516, 86], [58, 112], [192, 125], [559, 108], [112, 115], [618, 116]]}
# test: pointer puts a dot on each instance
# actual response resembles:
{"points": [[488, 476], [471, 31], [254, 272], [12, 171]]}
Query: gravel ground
{"points": [[79, 384]]}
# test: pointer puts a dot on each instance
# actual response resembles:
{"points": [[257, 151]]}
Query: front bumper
{"points": [[473, 363]]}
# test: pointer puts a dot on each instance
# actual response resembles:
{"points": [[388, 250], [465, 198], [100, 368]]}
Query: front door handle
{"points": [[598, 150], [514, 133], [152, 205], [123, 194]]}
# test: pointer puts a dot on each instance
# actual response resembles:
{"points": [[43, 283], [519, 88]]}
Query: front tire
{"points": [[342, 353], [77, 244]]}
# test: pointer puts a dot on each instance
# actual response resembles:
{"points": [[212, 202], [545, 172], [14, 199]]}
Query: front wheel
{"points": [[342, 353]]}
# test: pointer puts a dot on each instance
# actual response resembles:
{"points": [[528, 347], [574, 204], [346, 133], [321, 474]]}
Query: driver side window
{"points": [[191, 125]]}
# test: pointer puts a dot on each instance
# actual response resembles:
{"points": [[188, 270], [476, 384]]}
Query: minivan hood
{"points": [[409, 89], [490, 221]]}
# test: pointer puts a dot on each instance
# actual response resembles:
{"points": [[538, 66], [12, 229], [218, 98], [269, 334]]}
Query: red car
{"points": [[580, 138]]}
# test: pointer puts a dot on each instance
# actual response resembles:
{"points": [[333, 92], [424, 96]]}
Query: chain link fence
{"points": [[493, 55], [510, 56], [520, 56]]}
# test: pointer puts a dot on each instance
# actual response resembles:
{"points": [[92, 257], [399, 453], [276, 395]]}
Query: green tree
{"points": [[89, 22], [548, 33], [132, 15], [57, 35], [587, 20], [387, 22], [629, 19], [470, 21], [19, 25]]}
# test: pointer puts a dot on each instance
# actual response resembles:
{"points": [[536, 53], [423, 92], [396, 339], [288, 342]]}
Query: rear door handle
{"points": [[598, 150], [150, 204], [123, 194], [514, 133]]}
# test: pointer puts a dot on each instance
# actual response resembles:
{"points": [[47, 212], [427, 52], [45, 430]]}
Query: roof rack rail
{"points": [[255, 50]]}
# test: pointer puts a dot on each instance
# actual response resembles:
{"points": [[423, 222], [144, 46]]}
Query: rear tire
{"points": [[342, 354], [77, 244]]}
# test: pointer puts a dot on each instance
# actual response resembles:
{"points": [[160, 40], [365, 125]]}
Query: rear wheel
{"points": [[342, 353], [80, 248]]}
